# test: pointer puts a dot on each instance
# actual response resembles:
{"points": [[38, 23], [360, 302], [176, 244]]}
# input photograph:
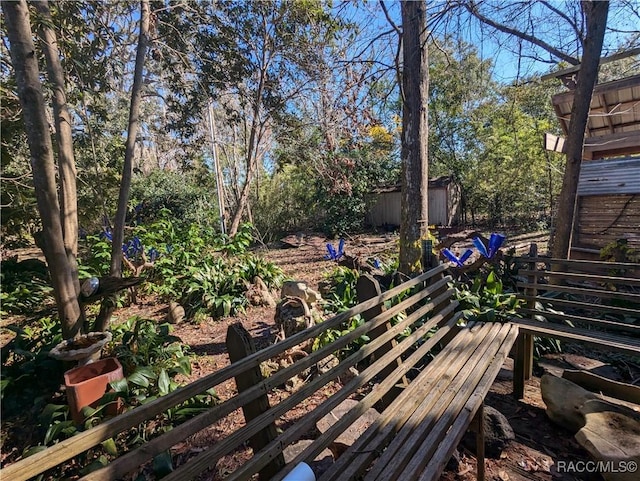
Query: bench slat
{"points": [[625, 344], [444, 451], [459, 383], [354, 461], [590, 266], [584, 291], [617, 326], [580, 277], [581, 305]]}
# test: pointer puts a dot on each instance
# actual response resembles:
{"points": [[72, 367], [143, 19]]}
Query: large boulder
{"points": [[609, 431], [611, 434], [564, 400]]}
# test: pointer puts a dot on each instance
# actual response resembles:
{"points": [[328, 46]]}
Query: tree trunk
{"points": [[106, 309], [415, 85], [24, 59], [66, 161], [255, 135], [596, 13]]}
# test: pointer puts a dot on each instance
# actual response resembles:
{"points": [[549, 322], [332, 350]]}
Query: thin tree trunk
{"points": [[415, 85], [123, 197], [596, 13], [24, 59], [66, 161], [252, 160]]}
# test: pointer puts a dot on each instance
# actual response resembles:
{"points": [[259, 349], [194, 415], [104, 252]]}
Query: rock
{"points": [[454, 462], [328, 363], [293, 240], [259, 294], [319, 465], [301, 290], [564, 400], [175, 315], [498, 433], [353, 432], [611, 434]]}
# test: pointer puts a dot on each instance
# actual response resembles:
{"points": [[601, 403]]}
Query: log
{"points": [[607, 387]]}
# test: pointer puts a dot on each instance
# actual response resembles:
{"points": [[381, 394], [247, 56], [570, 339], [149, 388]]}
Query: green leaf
{"points": [[109, 446], [139, 379], [120, 386], [30, 451], [55, 430], [162, 464], [163, 382]]}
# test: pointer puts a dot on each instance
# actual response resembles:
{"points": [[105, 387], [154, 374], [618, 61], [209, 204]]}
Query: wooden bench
{"points": [[426, 375], [591, 302]]}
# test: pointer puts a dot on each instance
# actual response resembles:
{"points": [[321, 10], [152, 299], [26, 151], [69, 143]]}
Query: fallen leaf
{"points": [[503, 475]]}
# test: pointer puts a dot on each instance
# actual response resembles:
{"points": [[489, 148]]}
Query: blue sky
{"points": [[509, 66]]}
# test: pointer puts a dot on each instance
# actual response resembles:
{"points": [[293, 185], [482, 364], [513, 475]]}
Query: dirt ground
{"points": [[538, 444]]}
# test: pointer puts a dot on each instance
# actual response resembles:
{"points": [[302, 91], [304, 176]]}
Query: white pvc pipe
{"points": [[302, 472]]}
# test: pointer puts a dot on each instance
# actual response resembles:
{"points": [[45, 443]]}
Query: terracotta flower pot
{"points": [[87, 384]]}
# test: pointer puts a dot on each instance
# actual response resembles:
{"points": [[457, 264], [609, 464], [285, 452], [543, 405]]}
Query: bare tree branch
{"points": [[473, 10]]}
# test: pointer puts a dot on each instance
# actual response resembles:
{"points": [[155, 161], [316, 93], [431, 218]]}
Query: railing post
{"points": [[240, 345], [523, 363]]}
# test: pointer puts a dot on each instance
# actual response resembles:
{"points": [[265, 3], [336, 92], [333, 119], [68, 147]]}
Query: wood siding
{"points": [[603, 219], [444, 207]]}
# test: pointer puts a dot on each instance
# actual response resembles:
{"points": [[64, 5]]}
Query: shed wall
{"points": [[602, 219], [444, 207]]}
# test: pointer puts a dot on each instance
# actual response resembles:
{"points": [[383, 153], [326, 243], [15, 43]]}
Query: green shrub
{"points": [[188, 198], [151, 358], [29, 375], [485, 300], [25, 286]]}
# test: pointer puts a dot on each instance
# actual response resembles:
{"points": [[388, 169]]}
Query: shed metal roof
{"points": [[613, 176]]}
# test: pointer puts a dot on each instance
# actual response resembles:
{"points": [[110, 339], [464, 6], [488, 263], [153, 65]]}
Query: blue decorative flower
{"points": [[153, 254], [106, 234], [333, 254], [459, 261], [495, 242], [133, 248]]}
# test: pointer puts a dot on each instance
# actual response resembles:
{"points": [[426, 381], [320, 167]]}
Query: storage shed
{"points": [[444, 204], [608, 196]]}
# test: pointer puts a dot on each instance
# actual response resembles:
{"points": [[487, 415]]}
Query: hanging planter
{"points": [[88, 383]]}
